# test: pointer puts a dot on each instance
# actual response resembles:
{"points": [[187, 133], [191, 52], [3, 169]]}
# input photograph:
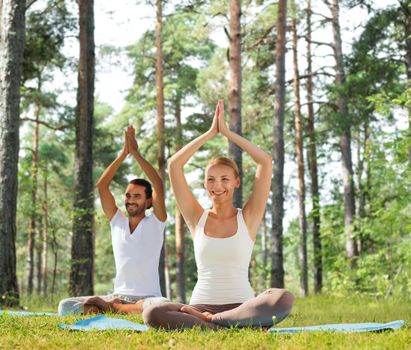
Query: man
{"points": [[137, 240]]}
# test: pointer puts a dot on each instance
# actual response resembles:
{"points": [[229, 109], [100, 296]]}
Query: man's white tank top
{"points": [[222, 265]]}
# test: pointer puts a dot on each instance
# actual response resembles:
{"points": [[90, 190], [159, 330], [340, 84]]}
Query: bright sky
{"points": [[119, 26]]}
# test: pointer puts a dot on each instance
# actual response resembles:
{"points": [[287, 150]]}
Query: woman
{"points": [[223, 240]]}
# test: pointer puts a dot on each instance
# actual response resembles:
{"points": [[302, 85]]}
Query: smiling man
{"points": [[137, 240]]}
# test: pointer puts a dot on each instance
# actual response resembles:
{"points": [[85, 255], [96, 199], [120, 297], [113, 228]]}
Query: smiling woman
{"points": [[222, 178], [223, 242]]}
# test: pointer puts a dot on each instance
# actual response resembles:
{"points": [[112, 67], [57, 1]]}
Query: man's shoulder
{"points": [[152, 219], [118, 219]]}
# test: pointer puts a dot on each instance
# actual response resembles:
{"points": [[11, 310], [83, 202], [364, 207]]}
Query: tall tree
{"points": [[82, 249], [45, 232], [234, 93], [312, 163], [33, 219], [405, 6], [163, 266], [345, 137], [179, 225], [12, 22], [277, 212], [300, 159]]}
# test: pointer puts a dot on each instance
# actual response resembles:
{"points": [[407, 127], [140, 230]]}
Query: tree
{"points": [[277, 212], [345, 138], [12, 23], [312, 163], [406, 9], [82, 250], [161, 159], [300, 159], [179, 226], [234, 93]]}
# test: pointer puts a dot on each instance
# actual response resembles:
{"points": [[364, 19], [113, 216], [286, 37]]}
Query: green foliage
{"points": [[46, 31]]}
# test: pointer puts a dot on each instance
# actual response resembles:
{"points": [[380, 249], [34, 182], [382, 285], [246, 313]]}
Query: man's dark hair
{"points": [[147, 187]]}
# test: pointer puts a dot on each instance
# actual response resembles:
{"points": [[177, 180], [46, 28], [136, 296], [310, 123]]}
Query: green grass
{"points": [[43, 333]]}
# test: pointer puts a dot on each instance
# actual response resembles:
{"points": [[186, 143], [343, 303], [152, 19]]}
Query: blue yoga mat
{"points": [[102, 322], [343, 327], [26, 313]]}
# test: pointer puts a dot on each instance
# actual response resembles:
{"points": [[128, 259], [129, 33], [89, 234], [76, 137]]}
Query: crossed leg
{"points": [[261, 311], [267, 308]]}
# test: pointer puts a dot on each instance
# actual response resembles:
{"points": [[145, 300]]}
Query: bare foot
{"points": [[205, 316], [208, 315], [102, 305], [136, 308], [90, 309]]}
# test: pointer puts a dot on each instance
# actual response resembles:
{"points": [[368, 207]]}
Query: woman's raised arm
{"points": [[253, 209], [186, 202]]}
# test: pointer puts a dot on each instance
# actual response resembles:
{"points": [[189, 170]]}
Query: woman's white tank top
{"points": [[222, 265]]}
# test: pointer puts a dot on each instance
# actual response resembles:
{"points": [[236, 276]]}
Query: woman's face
{"points": [[220, 182]]}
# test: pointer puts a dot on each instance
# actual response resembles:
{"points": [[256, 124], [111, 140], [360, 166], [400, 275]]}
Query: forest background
{"points": [[325, 89]]}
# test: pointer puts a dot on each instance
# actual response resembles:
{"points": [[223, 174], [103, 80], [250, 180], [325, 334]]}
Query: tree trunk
{"points": [[345, 141], [363, 188], [82, 250], [300, 162], [39, 249], [407, 26], [45, 234], [360, 192], [12, 22], [264, 251], [234, 93], [33, 229], [33, 217], [312, 163], [54, 249], [179, 226], [277, 268], [163, 265], [30, 255]]}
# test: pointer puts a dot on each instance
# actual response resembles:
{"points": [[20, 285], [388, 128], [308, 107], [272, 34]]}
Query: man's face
{"points": [[135, 200]]}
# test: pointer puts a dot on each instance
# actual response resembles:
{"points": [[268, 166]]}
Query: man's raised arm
{"points": [[159, 206], [106, 198]]}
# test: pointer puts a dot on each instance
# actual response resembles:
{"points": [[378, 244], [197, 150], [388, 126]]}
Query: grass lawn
{"points": [[43, 333]]}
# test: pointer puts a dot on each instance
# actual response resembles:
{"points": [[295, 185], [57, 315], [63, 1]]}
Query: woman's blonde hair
{"points": [[225, 161]]}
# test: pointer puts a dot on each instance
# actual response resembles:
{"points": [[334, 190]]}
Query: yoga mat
{"points": [[26, 313], [102, 322], [342, 328]]}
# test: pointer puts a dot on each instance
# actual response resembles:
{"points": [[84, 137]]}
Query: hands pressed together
{"points": [[130, 142], [219, 124]]}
